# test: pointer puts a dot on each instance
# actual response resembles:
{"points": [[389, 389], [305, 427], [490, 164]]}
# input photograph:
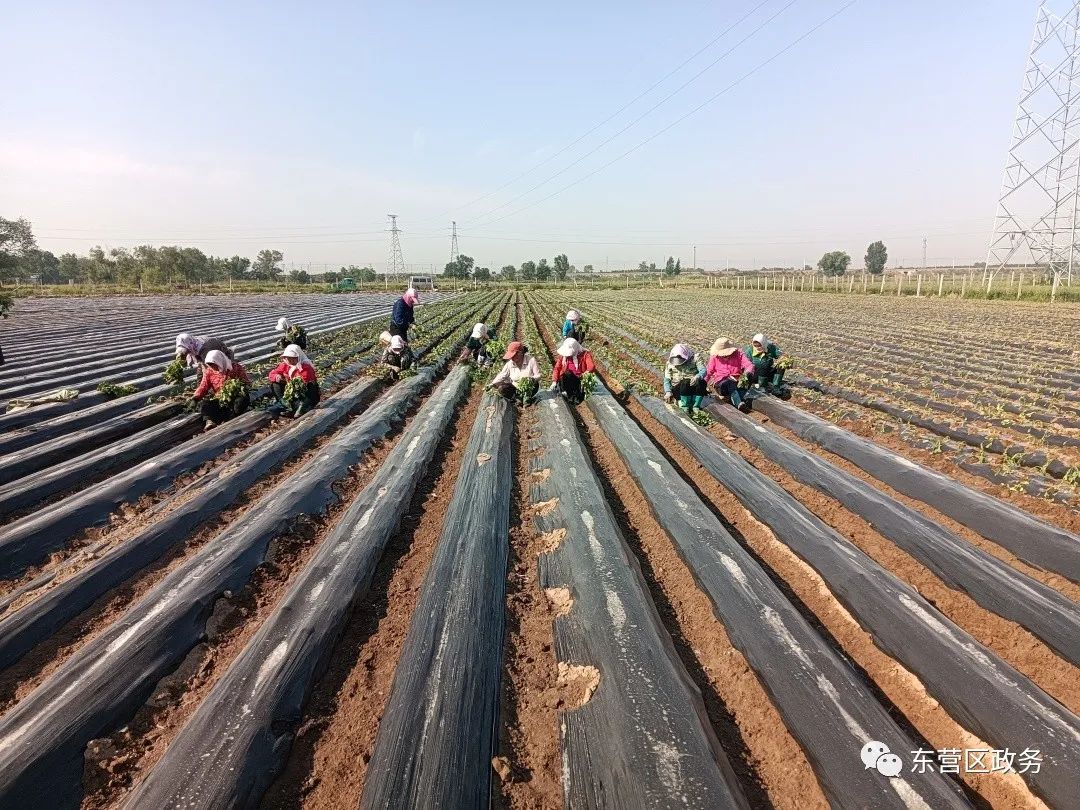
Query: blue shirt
{"points": [[402, 314]]}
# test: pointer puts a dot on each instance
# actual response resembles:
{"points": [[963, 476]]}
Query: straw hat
{"points": [[723, 347]]}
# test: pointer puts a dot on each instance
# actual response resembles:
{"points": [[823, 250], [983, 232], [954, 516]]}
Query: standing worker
{"points": [[574, 326], [402, 316], [574, 362], [684, 377], [769, 364], [219, 401], [294, 383], [294, 334], [519, 378], [194, 350], [730, 372]]}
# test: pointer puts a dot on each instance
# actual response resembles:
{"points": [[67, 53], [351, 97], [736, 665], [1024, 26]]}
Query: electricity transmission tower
{"points": [[1038, 206], [453, 243], [396, 265]]}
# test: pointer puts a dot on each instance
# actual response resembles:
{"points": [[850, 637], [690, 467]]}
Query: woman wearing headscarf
{"points": [[398, 356], [574, 326], [294, 334], [475, 348], [684, 377], [519, 378], [401, 318], [727, 366], [769, 363], [194, 349], [573, 362], [218, 370], [295, 365]]}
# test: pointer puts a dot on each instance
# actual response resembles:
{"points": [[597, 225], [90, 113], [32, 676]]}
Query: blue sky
{"points": [[238, 126]]}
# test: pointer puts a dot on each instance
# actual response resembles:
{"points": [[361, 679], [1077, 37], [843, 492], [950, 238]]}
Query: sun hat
{"points": [[282, 324], [723, 347], [397, 344], [479, 331], [682, 351], [573, 315], [514, 347], [569, 348]]}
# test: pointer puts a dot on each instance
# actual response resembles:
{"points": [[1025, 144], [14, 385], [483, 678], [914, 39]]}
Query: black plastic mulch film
{"points": [[642, 737], [983, 693], [438, 733]]}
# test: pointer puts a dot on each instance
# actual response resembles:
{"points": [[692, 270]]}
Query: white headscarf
{"points": [[397, 344], [283, 324], [410, 296], [292, 350], [680, 353], [188, 347], [219, 359], [479, 331], [573, 315], [570, 348]]}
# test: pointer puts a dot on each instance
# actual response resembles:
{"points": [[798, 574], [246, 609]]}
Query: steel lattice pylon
{"points": [[1037, 210], [396, 266]]}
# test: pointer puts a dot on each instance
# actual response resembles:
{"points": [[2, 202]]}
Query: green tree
{"points": [[509, 272], [561, 266], [460, 267], [834, 263], [237, 267], [267, 265], [587, 269], [543, 270], [42, 264], [300, 276], [16, 240], [528, 271], [482, 274], [876, 256], [69, 267], [678, 266]]}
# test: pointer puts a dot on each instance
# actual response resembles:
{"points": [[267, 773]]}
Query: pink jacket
{"points": [[733, 365]]}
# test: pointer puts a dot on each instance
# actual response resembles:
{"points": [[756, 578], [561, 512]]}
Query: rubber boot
{"points": [[686, 403], [698, 399]]}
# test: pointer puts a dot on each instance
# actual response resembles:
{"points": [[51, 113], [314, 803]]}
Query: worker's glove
{"points": [[668, 397], [554, 387]]}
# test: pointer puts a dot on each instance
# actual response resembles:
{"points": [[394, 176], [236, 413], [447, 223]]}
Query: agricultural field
{"points": [[421, 595]]}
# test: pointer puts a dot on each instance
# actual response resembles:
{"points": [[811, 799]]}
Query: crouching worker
{"points": [[574, 326], [223, 391], [769, 364], [573, 363], [519, 378], [476, 345], [398, 356], [293, 382], [730, 373], [295, 335], [194, 349], [684, 377]]}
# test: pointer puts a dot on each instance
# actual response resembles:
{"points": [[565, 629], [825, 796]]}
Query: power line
{"points": [[645, 114], [621, 109], [682, 118]]}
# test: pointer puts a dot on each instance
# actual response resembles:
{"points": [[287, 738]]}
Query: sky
{"points": [[762, 132]]}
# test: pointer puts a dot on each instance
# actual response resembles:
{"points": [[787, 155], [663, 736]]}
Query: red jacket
{"points": [[212, 380], [284, 371], [584, 363]]}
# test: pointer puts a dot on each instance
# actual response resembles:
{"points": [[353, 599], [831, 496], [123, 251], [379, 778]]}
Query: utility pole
{"points": [[397, 263], [924, 253], [453, 243], [695, 258]]}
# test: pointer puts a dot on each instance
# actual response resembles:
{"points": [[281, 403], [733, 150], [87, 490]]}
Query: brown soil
{"points": [[910, 704], [529, 741], [328, 761], [133, 751]]}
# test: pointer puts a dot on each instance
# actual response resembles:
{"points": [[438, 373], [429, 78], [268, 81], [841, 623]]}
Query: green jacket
{"points": [[763, 361], [685, 370]]}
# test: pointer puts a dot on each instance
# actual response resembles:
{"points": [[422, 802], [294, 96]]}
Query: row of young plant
{"points": [[1046, 476]]}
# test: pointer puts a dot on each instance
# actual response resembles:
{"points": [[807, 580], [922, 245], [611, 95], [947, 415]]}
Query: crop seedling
{"points": [[114, 390], [588, 383], [174, 372], [231, 391]]}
